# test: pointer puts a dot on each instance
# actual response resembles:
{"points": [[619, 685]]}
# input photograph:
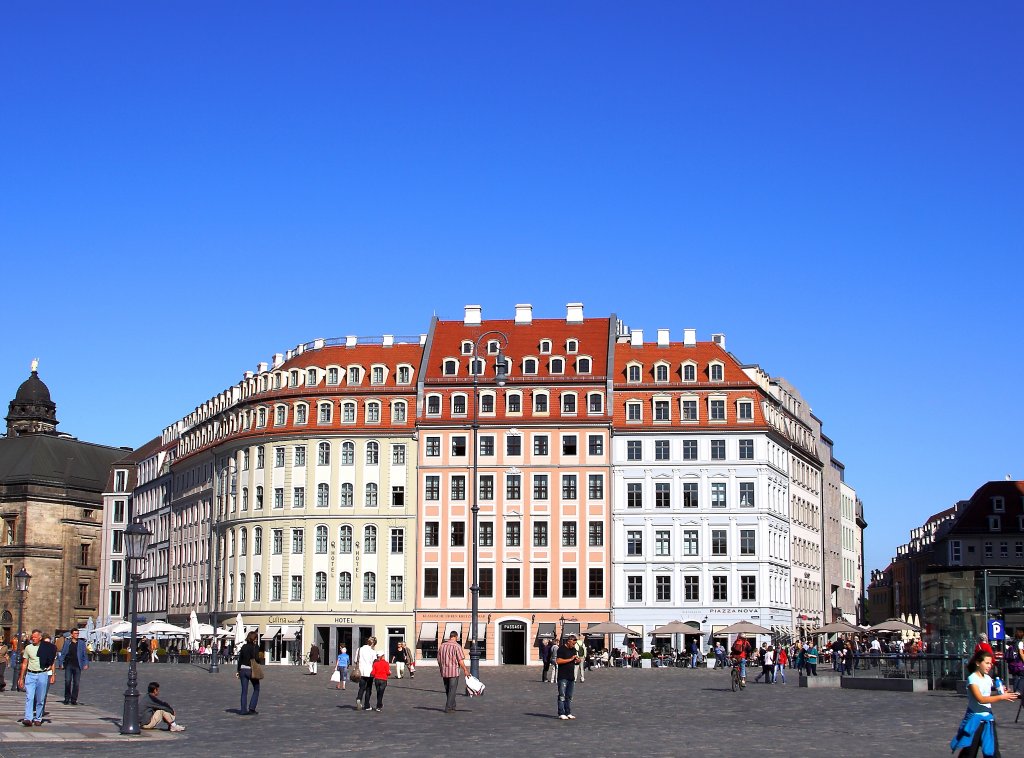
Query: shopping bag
{"points": [[474, 686], [336, 676]]}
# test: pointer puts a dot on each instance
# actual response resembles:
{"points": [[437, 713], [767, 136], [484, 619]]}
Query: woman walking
{"points": [[250, 653], [978, 727], [365, 657]]}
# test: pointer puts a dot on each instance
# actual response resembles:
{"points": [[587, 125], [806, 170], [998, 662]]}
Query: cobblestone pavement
{"points": [[649, 712]]}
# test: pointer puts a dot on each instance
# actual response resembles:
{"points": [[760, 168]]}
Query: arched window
{"points": [[332, 376], [345, 586], [689, 372], [348, 413], [371, 494], [451, 367], [325, 413], [323, 457], [370, 539], [369, 587], [346, 494], [398, 412], [348, 453], [540, 403], [345, 539], [373, 413], [530, 366], [717, 371], [321, 540], [320, 586], [568, 403], [661, 373], [323, 495], [372, 453], [257, 540]]}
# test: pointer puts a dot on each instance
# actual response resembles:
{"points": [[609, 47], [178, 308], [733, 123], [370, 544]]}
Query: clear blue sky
{"points": [[189, 187]]}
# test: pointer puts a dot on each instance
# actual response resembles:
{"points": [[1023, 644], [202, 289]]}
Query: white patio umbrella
{"points": [[239, 631], [115, 629], [193, 630], [162, 629], [89, 631]]}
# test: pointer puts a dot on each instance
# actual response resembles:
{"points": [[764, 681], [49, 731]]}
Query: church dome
{"points": [[33, 390]]}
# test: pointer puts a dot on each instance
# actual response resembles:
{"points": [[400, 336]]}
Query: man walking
{"points": [[37, 674], [566, 658], [74, 661], [451, 659], [314, 658], [545, 658]]}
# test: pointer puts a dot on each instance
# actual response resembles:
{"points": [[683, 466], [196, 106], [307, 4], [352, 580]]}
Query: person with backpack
{"points": [[741, 650]]}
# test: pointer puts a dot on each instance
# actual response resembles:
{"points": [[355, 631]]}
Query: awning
{"points": [[545, 630], [452, 626], [272, 631], [288, 633], [571, 627], [428, 631], [481, 630]]}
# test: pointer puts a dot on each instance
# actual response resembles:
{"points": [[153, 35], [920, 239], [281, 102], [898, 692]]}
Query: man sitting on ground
{"points": [[155, 710]]}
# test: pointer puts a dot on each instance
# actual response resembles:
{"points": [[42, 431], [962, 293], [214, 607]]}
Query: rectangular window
{"points": [[513, 486], [397, 589], [718, 450], [119, 510], [595, 532], [540, 444], [569, 444], [748, 542], [458, 487], [569, 582], [432, 488], [432, 534], [398, 455], [691, 588], [689, 450], [663, 588], [300, 455], [661, 412], [512, 588], [486, 582], [662, 542], [540, 582], [662, 495], [634, 542], [635, 589], [278, 457], [432, 448], [746, 494], [458, 446], [633, 412], [595, 444], [275, 588], [691, 542], [296, 595], [719, 588], [457, 577], [748, 588], [458, 534], [540, 486], [746, 450], [279, 497], [718, 499], [540, 533], [745, 411], [661, 448], [487, 444], [718, 410], [689, 410], [634, 495], [690, 499], [568, 534], [719, 542], [397, 541], [298, 541], [487, 486], [277, 542], [431, 586], [595, 582], [398, 495], [514, 445], [299, 497], [568, 486], [634, 450], [486, 537], [989, 553], [513, 534], [595, 486]]}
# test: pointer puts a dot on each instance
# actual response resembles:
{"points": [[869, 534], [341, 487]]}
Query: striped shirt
{"points": [[449, 658]]}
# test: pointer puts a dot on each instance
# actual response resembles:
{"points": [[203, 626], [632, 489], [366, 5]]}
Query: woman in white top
{"points": [[365, 656], [978, 727]]}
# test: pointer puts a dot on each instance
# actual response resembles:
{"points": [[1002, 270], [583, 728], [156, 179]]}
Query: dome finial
{"points": [[35, 365]]}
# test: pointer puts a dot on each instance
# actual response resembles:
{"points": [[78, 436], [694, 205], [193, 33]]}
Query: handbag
{"points": [[355, 676], [257, 671], [336, 676]]}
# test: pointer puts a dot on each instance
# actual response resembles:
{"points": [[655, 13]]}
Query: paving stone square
{"points": [[650, 712]]}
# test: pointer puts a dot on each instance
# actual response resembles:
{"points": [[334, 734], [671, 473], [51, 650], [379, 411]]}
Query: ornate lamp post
{"points": [[21, 580], [136, 538], [500, 374]]}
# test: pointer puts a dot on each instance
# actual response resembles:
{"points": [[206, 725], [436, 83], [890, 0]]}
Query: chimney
{"points": [[248, 375], [300, 348], [389, 340], [663, 338], [278, 359], [318, 343], [574, 313], [423, 339], [473, 315], [689, 338], [636, 338], [524, 313], [351, 340], [261, 367], [719, 339]]}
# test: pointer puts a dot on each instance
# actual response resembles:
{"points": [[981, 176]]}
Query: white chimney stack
{"points": [[389, 340], [473, 315], [719, 339], [278, 359], [524, 313], [689, 338], [574, 313], [636, 338], [261, 367], [663, 338], [351, 340]]}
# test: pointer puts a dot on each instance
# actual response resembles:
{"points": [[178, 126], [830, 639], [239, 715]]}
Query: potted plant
{"points": [[106, 655], [645, 660], [161, 654], [125, 654], [184, 656]]}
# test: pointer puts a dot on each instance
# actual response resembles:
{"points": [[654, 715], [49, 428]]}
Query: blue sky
{"points": [[189, 187]]}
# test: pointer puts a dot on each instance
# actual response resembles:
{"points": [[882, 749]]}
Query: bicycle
{"points": [[734, 676]]}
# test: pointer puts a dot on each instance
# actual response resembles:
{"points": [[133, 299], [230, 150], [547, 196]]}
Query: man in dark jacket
{"points": [[74, 661], [155, 711]]}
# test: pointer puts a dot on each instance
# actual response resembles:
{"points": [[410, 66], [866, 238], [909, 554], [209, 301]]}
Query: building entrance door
{"points": [[513, 643]]}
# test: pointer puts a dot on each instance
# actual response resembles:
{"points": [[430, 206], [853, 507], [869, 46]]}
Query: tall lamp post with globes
{"points": [[21, 580], [500, 374], [136, 538]]}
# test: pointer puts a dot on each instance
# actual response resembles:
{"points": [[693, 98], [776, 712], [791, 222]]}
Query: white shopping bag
{"points": [[336, 676], [474, 686]]}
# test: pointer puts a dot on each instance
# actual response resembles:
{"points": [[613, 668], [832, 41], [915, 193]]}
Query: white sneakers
{"points": [[175, 727], [563, 717]]}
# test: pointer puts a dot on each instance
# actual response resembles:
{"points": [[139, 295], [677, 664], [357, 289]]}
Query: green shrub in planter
{"points": [[645, 656]]}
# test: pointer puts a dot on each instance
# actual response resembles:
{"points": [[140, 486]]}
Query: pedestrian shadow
{"points": [[541, 716]]}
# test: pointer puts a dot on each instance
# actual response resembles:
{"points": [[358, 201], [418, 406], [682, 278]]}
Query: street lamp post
{"points": [[500, 373], [136, 538], [21, 580]]}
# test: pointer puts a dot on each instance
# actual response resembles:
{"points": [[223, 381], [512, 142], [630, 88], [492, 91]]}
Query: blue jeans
{"points": [[35, 695], [743, 668], [245, 676], [72, 681], [565, 688]]}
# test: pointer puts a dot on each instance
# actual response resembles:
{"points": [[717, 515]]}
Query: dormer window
{"points": [[557, 366], [634, 411], [689, 372], [661, 372], [467, 347], [476, 367], [745, 410], [377, 375], [294, 374], [332, 376], [404, 374], [633, 372], [492, 347], [354, 375], [451, 367], [583, 366], [716, 371], [995, 523], [571, 346], [530, 366], [998, 505], [545, 347]]}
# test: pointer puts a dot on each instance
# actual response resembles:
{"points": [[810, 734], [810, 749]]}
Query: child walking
{"points": [[978, 728], [381, 672], [342, 668]]}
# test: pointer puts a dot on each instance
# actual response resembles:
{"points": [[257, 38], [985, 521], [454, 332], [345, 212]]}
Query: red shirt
{"points": [[381, 668], [741, 648], [984, 646]]}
